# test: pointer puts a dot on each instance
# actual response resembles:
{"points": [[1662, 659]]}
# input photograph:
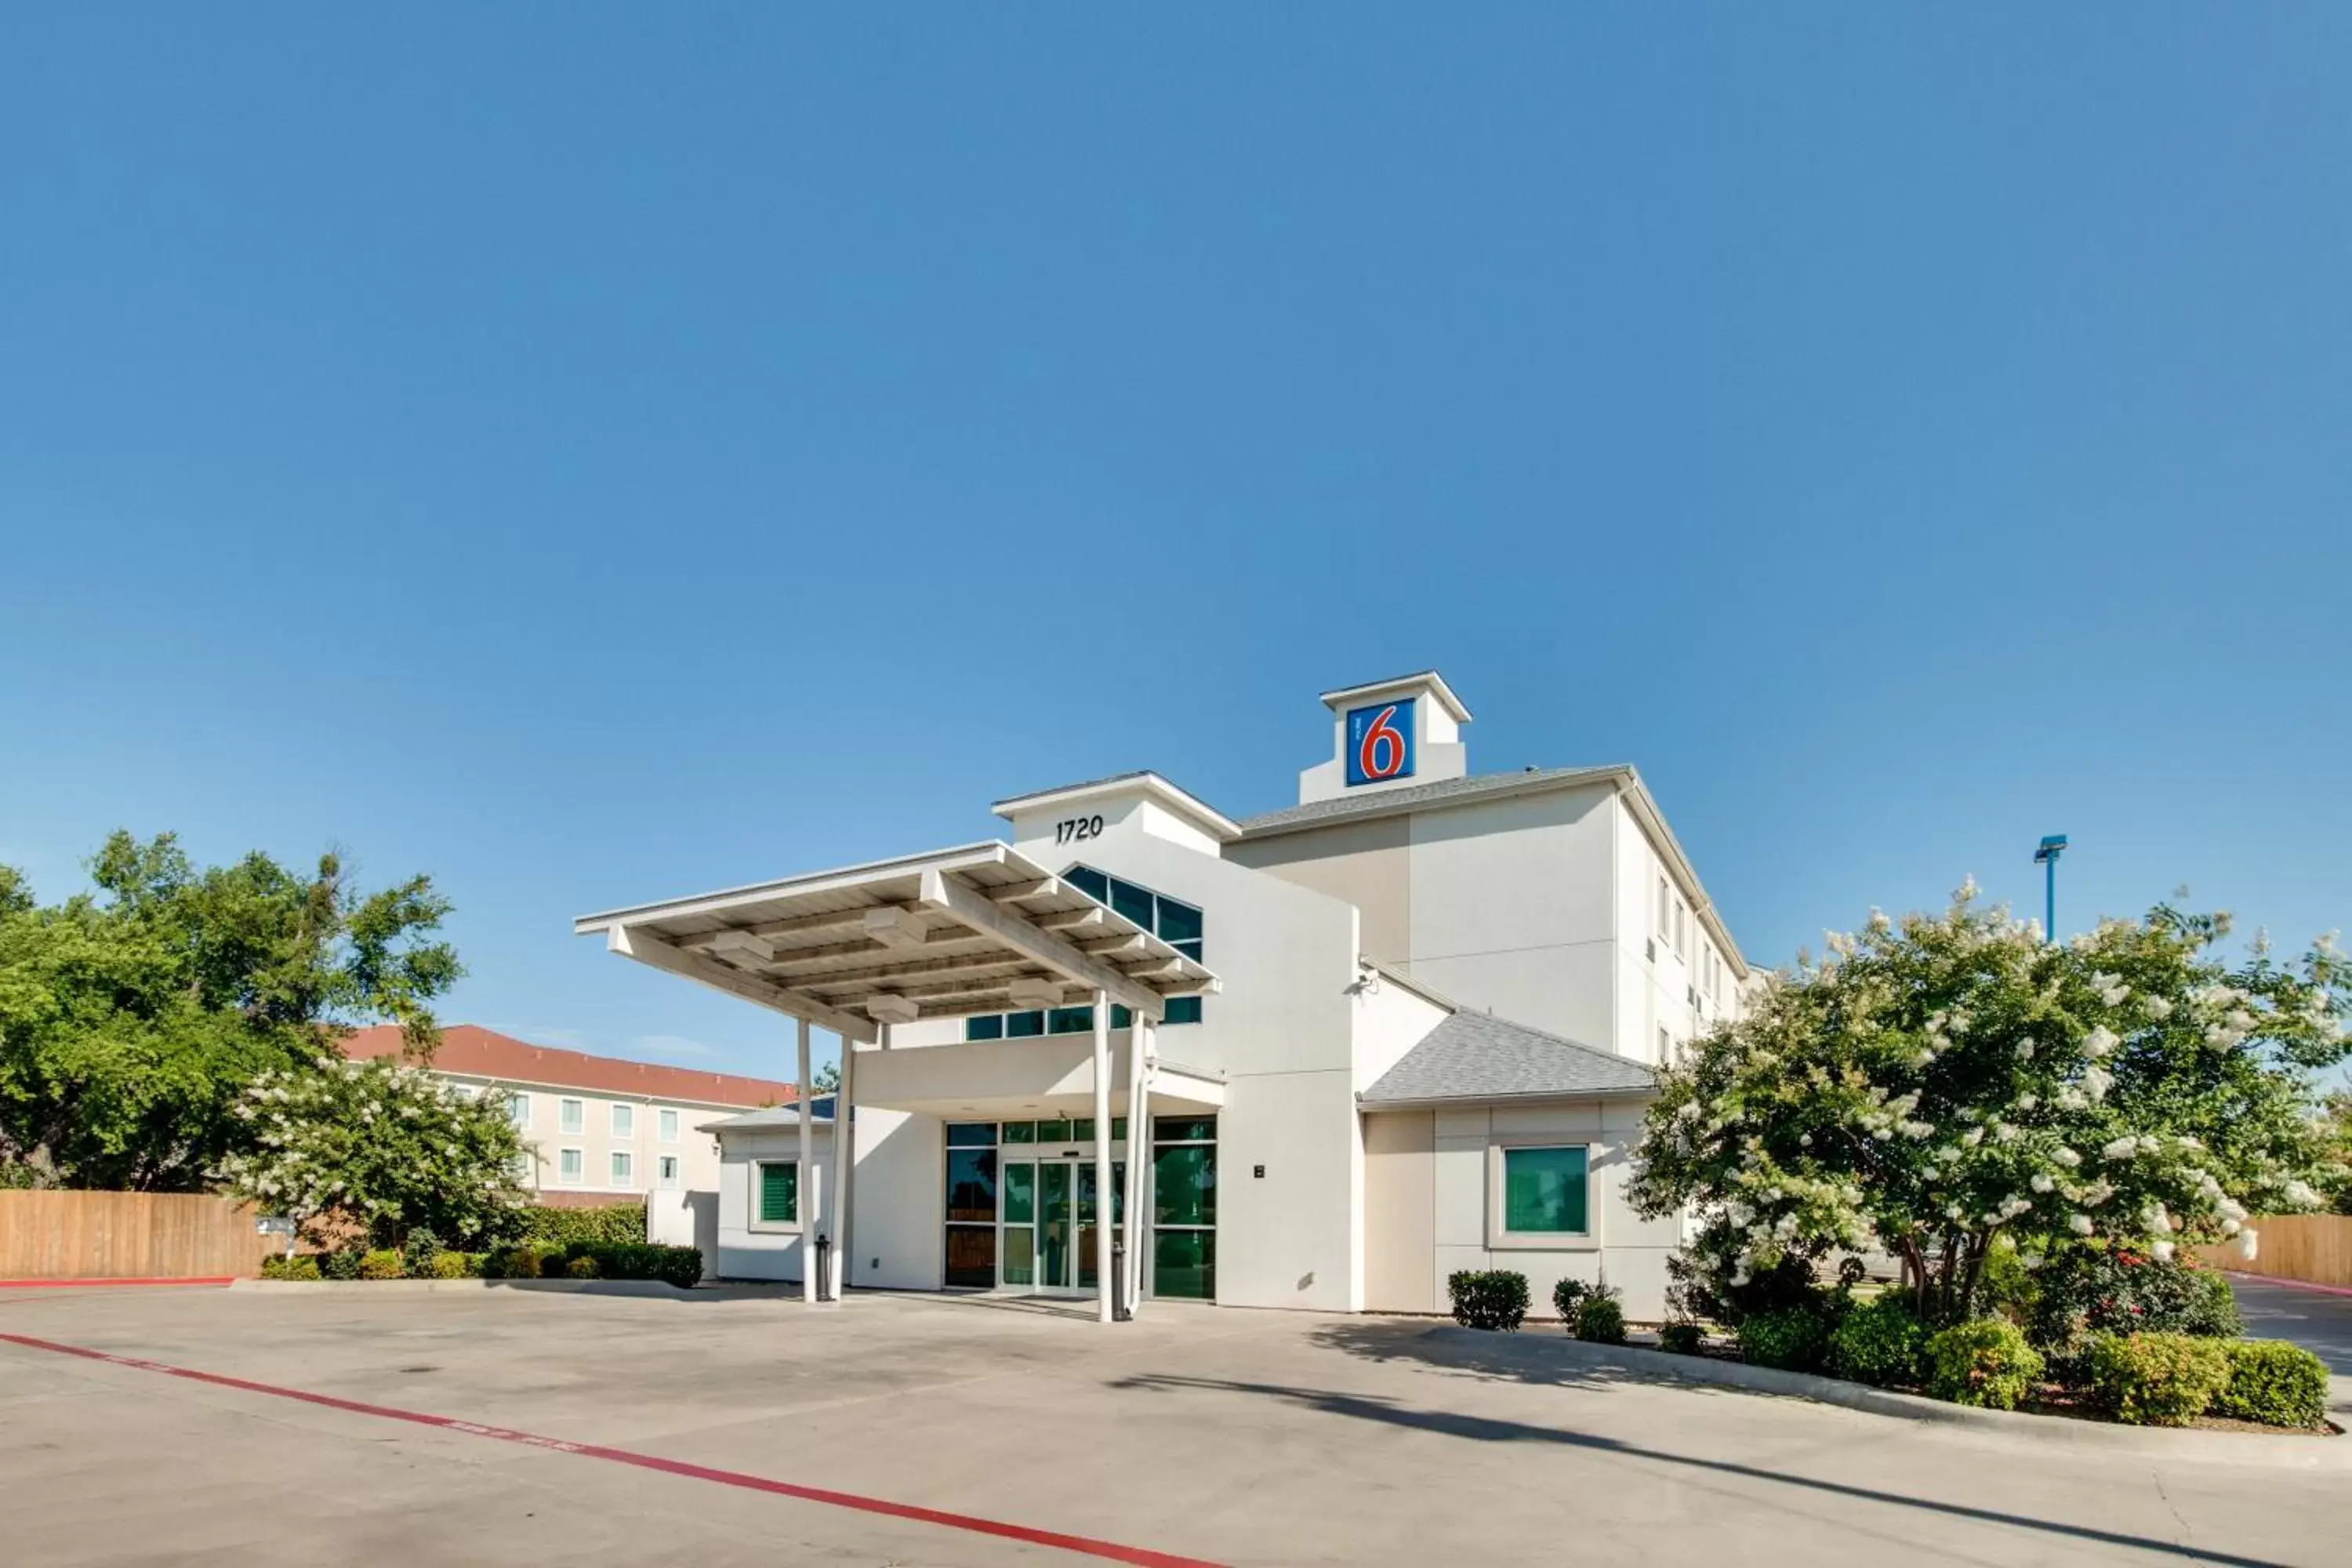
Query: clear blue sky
{"points": [[600, 453]]}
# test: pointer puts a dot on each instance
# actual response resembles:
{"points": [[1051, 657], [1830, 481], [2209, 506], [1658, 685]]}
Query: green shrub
{"points": [[2084, 1292], [582, 1269], [417, 1253], [1794, 1339], [343, 1264], [1488, 1298], [381, 1263], [1601, 1319], [680, 1266], [1881, 1341], [612, 1225], [303, 1265], [1566, 1296], [2156, 1380], [1985, 1363], [1681, 1337], [2274, 1383], [447, 1265], [512, 1263]]}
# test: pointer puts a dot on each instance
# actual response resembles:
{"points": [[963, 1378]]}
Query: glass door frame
{"points": [[1079, 1161]]}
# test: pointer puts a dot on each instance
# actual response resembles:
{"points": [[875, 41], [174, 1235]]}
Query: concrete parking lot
{"points": [[1197, 1435]]}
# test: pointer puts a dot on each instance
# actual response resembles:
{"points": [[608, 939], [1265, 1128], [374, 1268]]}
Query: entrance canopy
{"points": [[978, 929]]}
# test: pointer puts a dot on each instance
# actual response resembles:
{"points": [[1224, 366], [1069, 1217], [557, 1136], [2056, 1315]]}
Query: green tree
{"points": [[381, 1145], [131, 1017], [1951, 1084]]}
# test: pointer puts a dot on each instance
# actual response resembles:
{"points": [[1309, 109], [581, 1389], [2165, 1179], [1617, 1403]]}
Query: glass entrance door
{"points": [[1048, 1221]]}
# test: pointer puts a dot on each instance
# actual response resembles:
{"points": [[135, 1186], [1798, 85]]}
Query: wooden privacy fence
{"points": [[128, 1235], [2312, 1247]]}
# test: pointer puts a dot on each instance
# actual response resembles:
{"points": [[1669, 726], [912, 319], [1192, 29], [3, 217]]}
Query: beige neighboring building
{"points": [[602, 1131]]}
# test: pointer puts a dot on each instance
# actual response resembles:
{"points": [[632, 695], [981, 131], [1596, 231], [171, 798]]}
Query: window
{"points": [[1664, 904], [625, 1168], [1665, 1047], [571, 1166], [573, 1116], [624, 1120], [668, 1172], [970, 1204], [526, 1168], [1681, 936], [519, 1109], [668, 1122], [1184, 1206], [1540, 1194], [776, 1192], [1178, 925]]}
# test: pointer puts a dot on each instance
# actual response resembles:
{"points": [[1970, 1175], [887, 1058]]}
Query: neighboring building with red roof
{"points": [[603, 1130]]}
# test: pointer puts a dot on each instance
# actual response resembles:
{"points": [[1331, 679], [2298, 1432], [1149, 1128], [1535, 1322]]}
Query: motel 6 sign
{"points": [[1379, 742]]}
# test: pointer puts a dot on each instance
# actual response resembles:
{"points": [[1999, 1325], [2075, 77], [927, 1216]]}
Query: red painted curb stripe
{"points": [[1084, 1545], [213, 1281]]}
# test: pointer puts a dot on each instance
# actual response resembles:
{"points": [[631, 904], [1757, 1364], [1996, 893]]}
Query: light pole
{"points": [[2046, 857]]}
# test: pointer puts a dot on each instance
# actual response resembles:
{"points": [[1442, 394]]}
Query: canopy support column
{"points": [[804, 1178], [845, 1160], [1139, 1044], [1104, 1195]]}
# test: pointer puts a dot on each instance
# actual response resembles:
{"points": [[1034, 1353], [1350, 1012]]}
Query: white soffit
{"points": [[942, 935]]}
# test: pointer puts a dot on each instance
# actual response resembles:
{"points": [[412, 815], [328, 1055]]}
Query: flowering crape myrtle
{"points": [[1946, 1084], [381, 1145]]}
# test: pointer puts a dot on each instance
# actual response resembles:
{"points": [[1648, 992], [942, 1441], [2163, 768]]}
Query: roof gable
{"points": [[1476, 1056]]}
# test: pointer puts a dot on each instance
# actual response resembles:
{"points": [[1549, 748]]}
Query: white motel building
{"points": [[1318, 1059]]}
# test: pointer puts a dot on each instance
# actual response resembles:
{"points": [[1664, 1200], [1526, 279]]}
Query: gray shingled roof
{"points": [[786, 1115], [1443, 791], [1476, 1056]]}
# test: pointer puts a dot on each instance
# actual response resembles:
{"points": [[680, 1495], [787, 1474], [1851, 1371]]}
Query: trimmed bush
{"points": [[1794, 1339], [2156, 1380], [614, 1225], [1601, 1319], [303, 1265], [2274, 1383], [511, 1263], [447, 1265], [1488, 1298], [417, 1253], [1985, 1364], [1566, 1296], [343, 1264], [2084, 1292], [1681, 1337], [1881, 1341], [383, 1263], [582, 1269]]}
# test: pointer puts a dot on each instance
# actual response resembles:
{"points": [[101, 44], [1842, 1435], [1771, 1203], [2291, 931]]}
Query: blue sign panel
{"points": [[1379, 742]]}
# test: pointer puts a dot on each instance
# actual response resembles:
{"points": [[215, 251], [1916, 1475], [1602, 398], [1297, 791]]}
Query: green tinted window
{"points": [[1118, 1127], [1184, 1010], [972, 1134], [1019, 1025], [1184, 1264], [1069, 1020], [1132, 901], [1543, 1191], [1020, 1132], [1020, 1193], [1082, 1130], [1184, 1184], [1121, 1018], [971, 1257], [780, 1194], [984, 1026], [1184, 1129], [1054, 1132], [1179, 922], [1090, 881], [971, 1186]]}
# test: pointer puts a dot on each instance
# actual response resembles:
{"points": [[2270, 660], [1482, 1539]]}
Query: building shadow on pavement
{"points": [[1394, 1345]]}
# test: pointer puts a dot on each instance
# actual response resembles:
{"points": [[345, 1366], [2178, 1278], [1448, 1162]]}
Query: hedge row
{"points": [[678, 1265]]}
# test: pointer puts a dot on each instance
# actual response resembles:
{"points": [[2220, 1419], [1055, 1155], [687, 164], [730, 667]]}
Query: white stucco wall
{"points": [[750, 1252], [1453, 1158]]}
